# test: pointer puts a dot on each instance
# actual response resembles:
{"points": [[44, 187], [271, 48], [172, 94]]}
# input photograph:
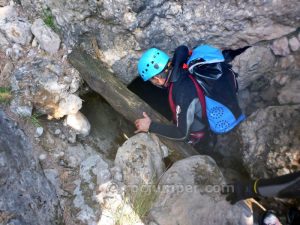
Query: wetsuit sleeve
{"points": [[180, 131], [286, 186]]}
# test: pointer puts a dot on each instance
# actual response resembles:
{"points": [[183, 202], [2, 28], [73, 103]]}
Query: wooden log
{"points": [[102, 81]]}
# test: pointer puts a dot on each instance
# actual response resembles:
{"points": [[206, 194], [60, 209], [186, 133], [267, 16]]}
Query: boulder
{"points": [[3, 3], [46, 37], [141, 159], [46, 84], [281, 47], [7, 13], [70, 105], [255, 62], [290, 93], [18, 31], [79, 123], [294, 44], [189, 192], [270, 141]]}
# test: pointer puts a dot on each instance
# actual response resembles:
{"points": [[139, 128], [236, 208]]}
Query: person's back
{"points": [[186, 97]]}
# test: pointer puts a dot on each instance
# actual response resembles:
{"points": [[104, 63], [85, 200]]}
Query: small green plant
{"points": [[35, 120], [5, 94], [49, 19], [142, 200], [143, 197], [136, 205]]}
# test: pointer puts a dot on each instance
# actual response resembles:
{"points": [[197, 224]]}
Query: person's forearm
{"points": [[168, 131]]}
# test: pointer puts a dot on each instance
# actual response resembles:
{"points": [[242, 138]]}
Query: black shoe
{"points": [[293, 217]]}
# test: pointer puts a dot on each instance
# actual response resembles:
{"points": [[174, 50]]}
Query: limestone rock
{"points": [[141, 159], [281, 47], [94, 166], [15, 52], [5, 74], [25, 192], [3, 42], [270, 141], [39, 131], [294, 44], [190, 192], [69, 105], [21, 107], [18, 31], [252, 64], [79, 123], [3, 2], [7, 13], [290, 93], [93, 172], [46, 37], [46, 83], [125, 28], [116, 210]]}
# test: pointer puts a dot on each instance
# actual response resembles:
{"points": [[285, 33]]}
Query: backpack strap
{"points": [[171, 102], [200, 94]]}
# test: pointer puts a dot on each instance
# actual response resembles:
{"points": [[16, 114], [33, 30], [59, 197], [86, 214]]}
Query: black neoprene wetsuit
{"points": [[286, 186], [188, 107]]}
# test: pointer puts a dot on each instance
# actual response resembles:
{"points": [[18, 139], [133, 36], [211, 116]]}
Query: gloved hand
{"points": [[239, 191]]}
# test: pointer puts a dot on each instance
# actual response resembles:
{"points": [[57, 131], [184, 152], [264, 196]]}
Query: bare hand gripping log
{"points": [[121, 98]]}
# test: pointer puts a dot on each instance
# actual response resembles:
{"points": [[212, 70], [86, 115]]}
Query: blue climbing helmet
{"points": [[152, 62]]}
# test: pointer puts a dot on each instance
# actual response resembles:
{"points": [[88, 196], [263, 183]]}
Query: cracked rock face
{"points": [[270, 139], [255, 62], [26, 196], [124, 28], [48, 84]]}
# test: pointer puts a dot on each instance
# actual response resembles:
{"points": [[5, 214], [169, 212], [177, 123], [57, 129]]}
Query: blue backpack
{"points": [[218, 83]]}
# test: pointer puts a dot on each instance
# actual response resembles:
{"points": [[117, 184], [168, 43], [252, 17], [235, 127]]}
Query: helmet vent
{"points": [[156, 66]]}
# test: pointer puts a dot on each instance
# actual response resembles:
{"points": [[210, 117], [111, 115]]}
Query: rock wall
{"points": [[26, 195], [271, 141], [37, 35], [124, 29]]}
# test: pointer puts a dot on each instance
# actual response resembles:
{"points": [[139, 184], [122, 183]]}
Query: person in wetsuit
{"points": [[286, 186], [156, 66], [189, 117]]}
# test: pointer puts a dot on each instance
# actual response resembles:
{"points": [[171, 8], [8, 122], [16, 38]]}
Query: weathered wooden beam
{"points": [[102, 81]]}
